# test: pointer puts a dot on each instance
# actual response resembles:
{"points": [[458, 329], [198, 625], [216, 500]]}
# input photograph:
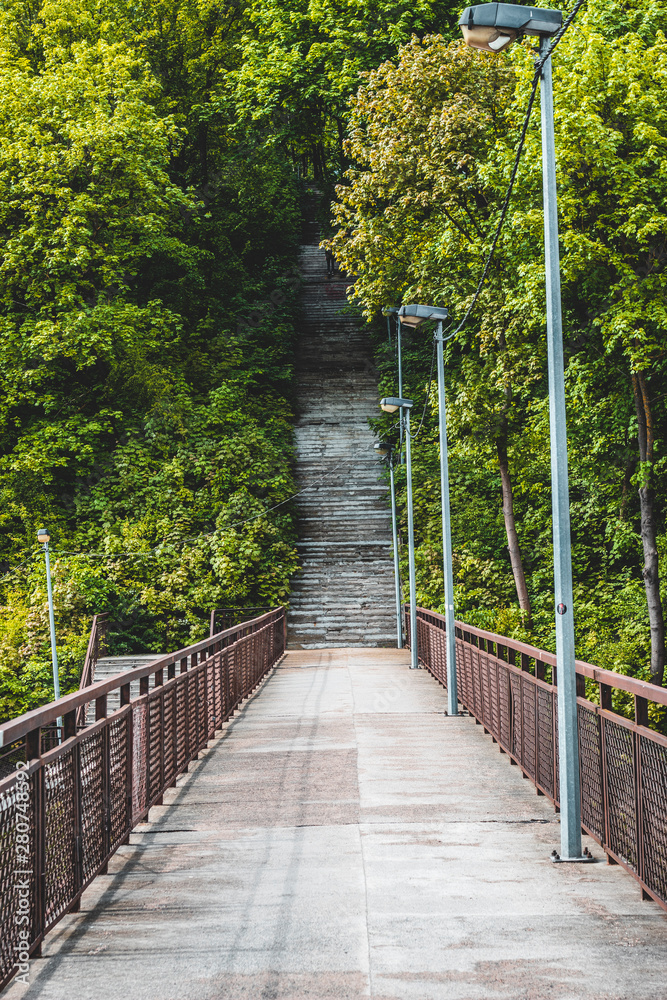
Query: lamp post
{"points": [[390, 405], [494, 26], [390, 311], [386, 453], [414, 316], [43, 538]]}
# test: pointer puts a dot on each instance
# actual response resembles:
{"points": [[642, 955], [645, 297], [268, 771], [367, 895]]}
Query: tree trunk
{"points": [[510, 528], [649, 541], [341, 140]]}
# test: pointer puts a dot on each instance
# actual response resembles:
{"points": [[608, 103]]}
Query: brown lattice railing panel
{"points": [[623, 764], [654, 826], [59, 846], [619, 760], [590, 758], [17, 879], [91, 781], [93, 815]]}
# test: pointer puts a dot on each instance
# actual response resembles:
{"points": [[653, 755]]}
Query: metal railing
{"points": [[223, 618], [64, 811], [95, 650], [623, 764]]}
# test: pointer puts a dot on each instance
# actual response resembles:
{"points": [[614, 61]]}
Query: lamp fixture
{"points": [[415, 315], [494, 26], [392, 403]]}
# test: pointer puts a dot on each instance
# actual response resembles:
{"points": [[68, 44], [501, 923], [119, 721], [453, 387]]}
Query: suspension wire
{"points": [[539, 65], [428, 393], [238, 524]]}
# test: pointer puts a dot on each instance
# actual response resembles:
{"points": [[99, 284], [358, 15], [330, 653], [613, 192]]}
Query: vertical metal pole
{"points": [[52, 629], [400, 380], [414, 652], [397, 571], [452, 691], [568, 742]]}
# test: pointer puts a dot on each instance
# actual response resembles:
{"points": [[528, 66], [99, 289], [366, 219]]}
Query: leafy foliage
{"points": [[146, 337], [432, 143]]}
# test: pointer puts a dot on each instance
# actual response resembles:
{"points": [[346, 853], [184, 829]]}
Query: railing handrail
{"points": [[87, 672], [631, 685], [46, 715], [237, 611]]}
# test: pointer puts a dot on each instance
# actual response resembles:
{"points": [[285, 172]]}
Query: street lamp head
{"points": [[416, 315], [494, 26], [392, 403], [43, 536], [382, 449]]}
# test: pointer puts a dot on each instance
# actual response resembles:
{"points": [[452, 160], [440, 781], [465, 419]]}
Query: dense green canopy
{"points": [[150, 162], [432, 140], [152, 158]]}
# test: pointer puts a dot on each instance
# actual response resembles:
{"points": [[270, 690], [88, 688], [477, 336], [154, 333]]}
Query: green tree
{"points": [[415, 221], [301, 62]]}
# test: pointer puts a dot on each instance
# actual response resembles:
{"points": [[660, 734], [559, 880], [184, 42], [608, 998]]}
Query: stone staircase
{"points": [[344, 593], [107, 667]]}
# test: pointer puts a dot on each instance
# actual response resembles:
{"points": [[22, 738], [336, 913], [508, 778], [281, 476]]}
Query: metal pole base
{"points": [[585, 859], [414, 668]]}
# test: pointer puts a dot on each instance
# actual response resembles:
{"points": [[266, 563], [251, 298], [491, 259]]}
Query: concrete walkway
{"points": [[343, 839]]}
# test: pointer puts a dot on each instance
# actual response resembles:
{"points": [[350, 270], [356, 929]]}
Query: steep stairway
{"points": [[107, 667], [344, 593]]}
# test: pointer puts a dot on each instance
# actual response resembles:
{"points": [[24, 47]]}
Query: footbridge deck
{"points": [[342, 838]]}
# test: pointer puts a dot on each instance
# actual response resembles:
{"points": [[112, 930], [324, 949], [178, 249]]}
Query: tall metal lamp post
{"points": [[386, 453], [414, 316], [390, 311], [390, 405], [43, 538], [494, 26]]}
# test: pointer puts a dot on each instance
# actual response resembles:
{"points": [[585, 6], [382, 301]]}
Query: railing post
{"points": [[69, 725], [641, 711], [159, 682]]}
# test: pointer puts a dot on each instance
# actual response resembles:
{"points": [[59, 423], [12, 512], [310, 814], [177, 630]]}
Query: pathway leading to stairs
{"points": [[344, 840], [344, 594]]}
